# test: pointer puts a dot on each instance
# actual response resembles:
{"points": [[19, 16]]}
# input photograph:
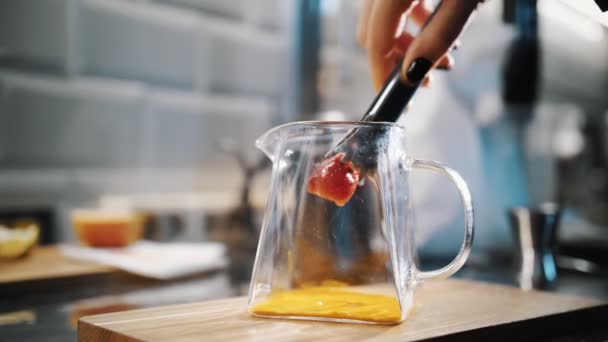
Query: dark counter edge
{"points": [[587, 324], [88, 332]]}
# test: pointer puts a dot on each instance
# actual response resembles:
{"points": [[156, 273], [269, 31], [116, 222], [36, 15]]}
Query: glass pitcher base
{"points": [[331, 304], [323, 319]]}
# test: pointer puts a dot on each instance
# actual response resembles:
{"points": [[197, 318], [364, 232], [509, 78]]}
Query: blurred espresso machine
{"points": [[555, 98]]}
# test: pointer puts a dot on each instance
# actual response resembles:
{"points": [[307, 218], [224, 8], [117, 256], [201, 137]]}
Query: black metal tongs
{"points": [[360, 146]]}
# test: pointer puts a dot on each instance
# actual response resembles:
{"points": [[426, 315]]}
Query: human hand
{"points": [[377, 33]]}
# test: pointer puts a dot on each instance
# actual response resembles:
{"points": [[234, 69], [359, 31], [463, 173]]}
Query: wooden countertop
{"points": [[46, 262], [460, 309]]}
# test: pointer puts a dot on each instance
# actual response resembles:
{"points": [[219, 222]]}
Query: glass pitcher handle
{"points": [[465, 196]]}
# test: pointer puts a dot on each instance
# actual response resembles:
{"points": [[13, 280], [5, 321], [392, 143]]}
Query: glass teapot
{"points": [[353, 263]]}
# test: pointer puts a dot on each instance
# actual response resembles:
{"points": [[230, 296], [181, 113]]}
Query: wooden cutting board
{"points": [[46, 262], [459, 309]]}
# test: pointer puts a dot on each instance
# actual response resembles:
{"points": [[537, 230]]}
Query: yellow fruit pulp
{"points": [[332, 302]]}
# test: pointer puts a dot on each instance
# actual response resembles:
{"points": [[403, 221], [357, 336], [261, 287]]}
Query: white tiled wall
{"points": [[267, 13], [40, 31], [148, 42], [94, 122], [83, 121], [262, 13], [186, 128], [230, 9], [137, 88], [345, 81], [153, 42], [245, 60]]}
